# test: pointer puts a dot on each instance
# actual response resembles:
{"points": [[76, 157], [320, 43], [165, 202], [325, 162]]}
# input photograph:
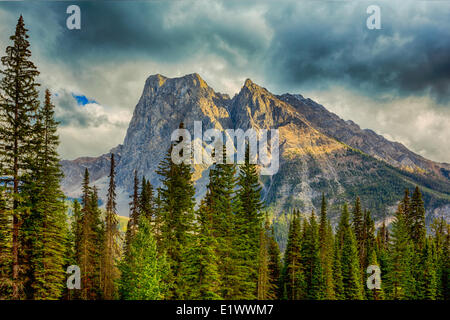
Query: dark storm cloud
{"points": [[318, 45], [314, 44], [112, 30]]}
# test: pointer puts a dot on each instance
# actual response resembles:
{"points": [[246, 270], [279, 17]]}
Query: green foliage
{"points": [[326, 252], [111, 250], [50, 236], [312, 266], [143, 270], [200, 272], [400, 279], [176, 213], [274, 268], [293, 276], [18, 108], [248, 226], [351, 274]]}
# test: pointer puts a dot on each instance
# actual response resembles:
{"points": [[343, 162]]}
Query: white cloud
{"points": [[417, 122]]}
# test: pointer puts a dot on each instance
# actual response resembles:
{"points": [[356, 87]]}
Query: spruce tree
{"points": [[143, 270], [221, 202], [326, 251], [312, 267], [351, 273], [50, 228], [146, 201], [249, 223], [400, 282], [338, 281], [426, 285], [91, 243], [417, 219], [18, 107], [360, 230], [263, 267], [374, 294], [201, 278], [274, 266], [98, 229], [293, 276], [134, 214], [177, 216], [111, 248]]}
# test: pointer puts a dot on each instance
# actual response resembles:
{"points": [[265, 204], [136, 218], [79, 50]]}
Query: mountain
{"points": [[319, 152]]}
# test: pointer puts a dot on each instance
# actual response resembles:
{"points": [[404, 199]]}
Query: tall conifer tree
{"points": [[249, 222], [326, 251], [312, 267], [293, 276], [400, 278], [351, 273], [18, 107], [177, 215], [143, 270], [111, 247], [50, 228]]}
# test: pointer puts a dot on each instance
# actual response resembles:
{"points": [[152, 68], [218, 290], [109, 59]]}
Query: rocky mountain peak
{"points": [[319, 152]]}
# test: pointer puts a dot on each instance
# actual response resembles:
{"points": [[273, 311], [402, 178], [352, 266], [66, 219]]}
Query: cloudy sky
{"points": [[395, 80]]}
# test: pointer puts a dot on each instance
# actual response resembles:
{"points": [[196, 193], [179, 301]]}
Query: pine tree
{"points": [[426, 285], [374, 294], [220, 201], [351, 273], [134, 214], [18, 106], [417, 219], [134, 204], [98, 230], [326, 251], [91, 243], [143, 270], [312, 267], [368, 245], [249, 223], [146, 201], [293, 277], [51, 230], [358, 227], [400, 279], [406, 208], [111, 247], [338, 281], [274, 266], [264, 284], [86, 253], [177, 217], [76, 228], [200, 268]]}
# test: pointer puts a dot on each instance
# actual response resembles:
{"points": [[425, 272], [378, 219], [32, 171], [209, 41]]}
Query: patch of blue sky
{"points": [[82, 100]]}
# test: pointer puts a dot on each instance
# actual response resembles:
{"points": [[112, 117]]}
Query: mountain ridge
{"points": [[326, 153]]}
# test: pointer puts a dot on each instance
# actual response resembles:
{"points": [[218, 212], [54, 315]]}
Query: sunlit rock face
{"points": [[319, 152]]}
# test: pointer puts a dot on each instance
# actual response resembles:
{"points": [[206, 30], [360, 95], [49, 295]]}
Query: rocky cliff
{"points": [[319, 152]]}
